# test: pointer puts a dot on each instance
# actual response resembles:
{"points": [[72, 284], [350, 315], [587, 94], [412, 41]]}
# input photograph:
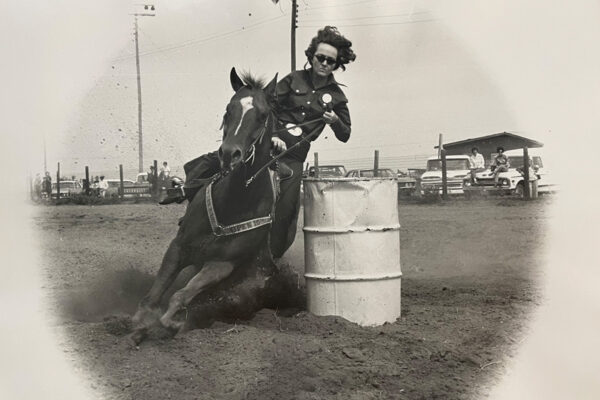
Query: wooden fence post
{"points": [[526, 187], [121, 190], [57, 182], [376, 164], [444, 176], [316, 165], [155, 188], [86, 183]]}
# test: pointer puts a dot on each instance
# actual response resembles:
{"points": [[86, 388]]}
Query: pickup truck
{"points": [[457, 169], [512, 182]]}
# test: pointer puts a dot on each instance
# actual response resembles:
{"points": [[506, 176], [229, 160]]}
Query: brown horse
{"points": [[247, 128]]}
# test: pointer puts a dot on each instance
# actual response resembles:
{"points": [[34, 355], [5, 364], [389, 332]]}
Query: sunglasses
{"points": [[330, 61]]}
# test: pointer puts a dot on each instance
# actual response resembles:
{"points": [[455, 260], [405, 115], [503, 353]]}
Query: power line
{"points": [[204, 39], [373, 17], [374, 24], [340, 5]]}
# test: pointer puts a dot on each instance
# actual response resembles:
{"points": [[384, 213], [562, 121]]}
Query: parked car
{"points": [[130, 188], [513, 181], [142, 178], [407, 184], [328, 171], [457, 169], [370, 173], [67, 188]]}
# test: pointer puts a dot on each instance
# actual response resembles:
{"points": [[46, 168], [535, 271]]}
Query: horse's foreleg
{"points": [[211, 274], [147, 312]]}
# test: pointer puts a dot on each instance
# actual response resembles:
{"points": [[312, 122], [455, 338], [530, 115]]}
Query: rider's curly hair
{"points": [[333, 37]]}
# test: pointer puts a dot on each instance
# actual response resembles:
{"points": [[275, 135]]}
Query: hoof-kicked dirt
{"points": [[469, 283]]}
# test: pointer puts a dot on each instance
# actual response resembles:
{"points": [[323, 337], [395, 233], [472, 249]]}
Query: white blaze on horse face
{"points": [[247, 105]]}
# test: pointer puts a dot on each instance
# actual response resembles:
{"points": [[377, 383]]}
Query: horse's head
{"points": [[246, 119]]}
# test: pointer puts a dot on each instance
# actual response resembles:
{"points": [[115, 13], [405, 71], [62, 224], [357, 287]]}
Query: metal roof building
{"points": [[487, 144]]}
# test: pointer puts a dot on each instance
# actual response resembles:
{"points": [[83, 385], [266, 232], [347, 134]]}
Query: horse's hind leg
{"points": [[211, 274], [148, 312]]}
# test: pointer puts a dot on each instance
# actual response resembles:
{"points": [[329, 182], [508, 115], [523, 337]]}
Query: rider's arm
{"points": [[341, 127], [283, 92]]}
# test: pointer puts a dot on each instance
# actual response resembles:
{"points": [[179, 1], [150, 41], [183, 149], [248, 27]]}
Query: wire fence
{"points": [[402, 163]]}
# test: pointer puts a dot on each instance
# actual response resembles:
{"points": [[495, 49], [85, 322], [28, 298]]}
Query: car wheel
{"points": [[520, 190]]}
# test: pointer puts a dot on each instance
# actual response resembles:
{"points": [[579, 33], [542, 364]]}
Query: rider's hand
{"points": [[278, 144], [330, 117]]}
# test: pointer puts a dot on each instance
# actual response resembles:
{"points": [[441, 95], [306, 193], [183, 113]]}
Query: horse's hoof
{"points": [[171, 325], [184, 328], [144, 317], [137, 337]]}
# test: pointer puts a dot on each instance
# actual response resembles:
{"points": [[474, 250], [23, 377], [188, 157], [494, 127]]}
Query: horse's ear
{"points": [[271, 89], [236, 82]]}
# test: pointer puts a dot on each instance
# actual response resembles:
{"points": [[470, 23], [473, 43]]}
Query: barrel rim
{"points": [[353, 278], [351, 229], [348, 179]]}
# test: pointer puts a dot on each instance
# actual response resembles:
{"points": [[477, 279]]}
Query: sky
{"points": [[468, 68], [413, 79]]}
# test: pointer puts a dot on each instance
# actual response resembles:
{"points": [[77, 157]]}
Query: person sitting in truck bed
{"points": [[500, 164], [476, 162]]}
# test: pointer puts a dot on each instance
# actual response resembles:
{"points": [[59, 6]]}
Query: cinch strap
{"points": [[220, 230]]}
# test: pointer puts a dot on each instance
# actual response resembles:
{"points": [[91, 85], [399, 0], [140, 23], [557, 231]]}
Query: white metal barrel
{"points": [[352, 248]]}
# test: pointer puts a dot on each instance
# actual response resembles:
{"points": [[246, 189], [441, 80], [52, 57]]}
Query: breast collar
{"points": [[239, 227]]}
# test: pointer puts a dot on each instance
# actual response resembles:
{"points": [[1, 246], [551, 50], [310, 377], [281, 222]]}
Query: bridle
{"points": [[251, 152], [280, 155]]}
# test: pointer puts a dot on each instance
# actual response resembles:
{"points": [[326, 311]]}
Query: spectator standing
{"points": [[95, 188], [103, 186], [47, 185], [152, 175], [37, 187], [165, 171]]}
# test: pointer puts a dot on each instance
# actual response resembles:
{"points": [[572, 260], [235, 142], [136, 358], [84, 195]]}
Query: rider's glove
{"points": [[278, 144]]}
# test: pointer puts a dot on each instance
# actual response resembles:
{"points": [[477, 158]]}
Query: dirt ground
{"points": [[470, 272]]}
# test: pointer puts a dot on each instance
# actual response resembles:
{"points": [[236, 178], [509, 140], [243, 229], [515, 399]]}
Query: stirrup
{"points": [[283, 171]]}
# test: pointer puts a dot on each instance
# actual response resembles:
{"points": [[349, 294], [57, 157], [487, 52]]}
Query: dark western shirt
{"points": [[299, 101]]}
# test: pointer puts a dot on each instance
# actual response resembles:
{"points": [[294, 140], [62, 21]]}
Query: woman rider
{"points": [[302, 96]]}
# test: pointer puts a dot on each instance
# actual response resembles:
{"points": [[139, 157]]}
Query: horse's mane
{"points": [[253, 82]]}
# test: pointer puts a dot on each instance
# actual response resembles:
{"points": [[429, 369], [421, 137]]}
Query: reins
{"points": [[277, 157]]}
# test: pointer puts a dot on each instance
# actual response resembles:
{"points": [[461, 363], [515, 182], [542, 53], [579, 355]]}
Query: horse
{"points": [[233, 200]]}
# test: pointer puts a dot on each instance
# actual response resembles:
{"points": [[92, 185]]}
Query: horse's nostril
{"points": [[236, 156]]}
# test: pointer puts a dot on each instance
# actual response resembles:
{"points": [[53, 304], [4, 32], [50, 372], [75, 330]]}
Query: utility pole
{"points": [[148, 12], [294, 25]]}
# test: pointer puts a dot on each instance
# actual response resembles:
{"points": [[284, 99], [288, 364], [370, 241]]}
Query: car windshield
{"points": [[451, 165], [368, 173], [334, 170], [517, 161]]}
